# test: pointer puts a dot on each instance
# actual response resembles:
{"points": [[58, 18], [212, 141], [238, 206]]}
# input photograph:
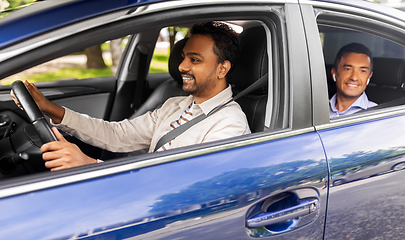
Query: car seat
{"points": [[171, 87], [388, 80], [252, 65]]}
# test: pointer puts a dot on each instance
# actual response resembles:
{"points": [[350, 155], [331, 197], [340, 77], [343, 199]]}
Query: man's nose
{"points": [[183, 66], [355, 75]]}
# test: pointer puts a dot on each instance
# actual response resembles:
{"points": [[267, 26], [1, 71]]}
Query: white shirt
{"points": [[146, 130], [361, 103]]}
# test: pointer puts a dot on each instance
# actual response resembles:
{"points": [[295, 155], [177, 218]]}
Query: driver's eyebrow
{"points": [[192, 54]]}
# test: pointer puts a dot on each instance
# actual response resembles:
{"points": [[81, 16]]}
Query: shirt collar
{"points": [[332, 103], [211, 103], [361, 102]]}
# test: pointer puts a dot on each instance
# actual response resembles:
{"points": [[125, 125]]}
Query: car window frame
{"points": [[296, 119], [362, 20]]}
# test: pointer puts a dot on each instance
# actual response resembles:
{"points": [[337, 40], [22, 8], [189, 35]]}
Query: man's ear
{"points": [[333, 71], [223, 68]]}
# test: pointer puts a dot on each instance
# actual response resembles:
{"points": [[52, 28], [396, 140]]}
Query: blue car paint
{"points": [[139, 201], [64, 13], [363, 138], [362, 156]]}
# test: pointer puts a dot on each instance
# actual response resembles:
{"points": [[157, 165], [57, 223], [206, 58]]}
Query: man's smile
{"points": [[352, 85], [187, 78]]}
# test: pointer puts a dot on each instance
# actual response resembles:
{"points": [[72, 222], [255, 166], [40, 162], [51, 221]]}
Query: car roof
{"points": [[363, 5], [44, 16], [51, 14]]}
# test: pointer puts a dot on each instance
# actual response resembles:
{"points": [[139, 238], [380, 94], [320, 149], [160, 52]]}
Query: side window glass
{"points": [[386, 86], [334, 38], [167, 38], [96, 61]]}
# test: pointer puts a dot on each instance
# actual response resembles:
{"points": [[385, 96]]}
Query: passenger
{"points": [[209, 55], [351, 71]]}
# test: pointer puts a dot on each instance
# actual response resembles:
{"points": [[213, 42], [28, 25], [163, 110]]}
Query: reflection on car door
{"points": [[366, 186], [207, 197]]}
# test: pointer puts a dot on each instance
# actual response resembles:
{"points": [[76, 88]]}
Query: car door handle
{"points": [[305, 207]]}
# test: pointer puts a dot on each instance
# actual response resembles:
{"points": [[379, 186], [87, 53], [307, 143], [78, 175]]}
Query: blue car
{"points": [[298, 175]]}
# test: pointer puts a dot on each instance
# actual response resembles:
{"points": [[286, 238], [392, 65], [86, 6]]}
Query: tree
{"points": [[172, 36], [173, 32], [94, 57], [116, 52]]}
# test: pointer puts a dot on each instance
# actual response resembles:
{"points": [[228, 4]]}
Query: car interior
{"points": [[387, 85], [149, 91], [252, 65]]}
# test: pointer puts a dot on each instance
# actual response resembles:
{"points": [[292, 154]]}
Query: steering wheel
{"points": [[34, 114]]}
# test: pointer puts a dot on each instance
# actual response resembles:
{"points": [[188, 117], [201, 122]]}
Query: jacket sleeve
{"points": [[123, 136]]}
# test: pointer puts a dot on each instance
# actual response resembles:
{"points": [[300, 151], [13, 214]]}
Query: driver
{"points": [[209, 55]]}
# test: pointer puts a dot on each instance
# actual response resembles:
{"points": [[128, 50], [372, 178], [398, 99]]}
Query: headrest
{"points": [[388, 72], [175, 59], [253, 62]]}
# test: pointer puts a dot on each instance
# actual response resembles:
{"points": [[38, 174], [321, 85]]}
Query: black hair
{"points": [[353, 48], [227, 42]]}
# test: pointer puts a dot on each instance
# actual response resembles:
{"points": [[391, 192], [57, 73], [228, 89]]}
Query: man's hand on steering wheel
{"points": [[58, 153], [47, 107], [62, 154]]}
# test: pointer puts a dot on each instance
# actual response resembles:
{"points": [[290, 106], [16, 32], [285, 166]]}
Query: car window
{"points": [[168, 36], [333, 38], [100, 60], [386, 87], [254, 49]]}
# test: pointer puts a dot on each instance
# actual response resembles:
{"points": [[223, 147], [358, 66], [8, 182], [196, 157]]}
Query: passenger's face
{"points": [[200, 67], [352, 75]]}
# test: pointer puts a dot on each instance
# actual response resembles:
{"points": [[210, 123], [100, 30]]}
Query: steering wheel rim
{"points": [[34, 114]]}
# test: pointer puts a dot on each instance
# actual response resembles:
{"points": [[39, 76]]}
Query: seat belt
{"points": [[182, 128]]}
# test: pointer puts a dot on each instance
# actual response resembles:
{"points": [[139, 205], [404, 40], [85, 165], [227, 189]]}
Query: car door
{"points": [[36, 55], [365, 151], [268, 184], [109, 95]]}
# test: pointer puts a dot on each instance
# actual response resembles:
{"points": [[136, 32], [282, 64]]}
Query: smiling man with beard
{"points": [[208, 56], [352, 71]]}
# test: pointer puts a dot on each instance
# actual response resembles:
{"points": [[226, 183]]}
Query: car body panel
{"points": [[195, 190], [362, 150], [366, 191]]}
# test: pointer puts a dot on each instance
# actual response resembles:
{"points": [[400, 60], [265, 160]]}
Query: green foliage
{"points": [[105, 46], [159, 62], [18, 3], [161, 58], [155, 69], [158, 65], [15, 5], [69, 74]]}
